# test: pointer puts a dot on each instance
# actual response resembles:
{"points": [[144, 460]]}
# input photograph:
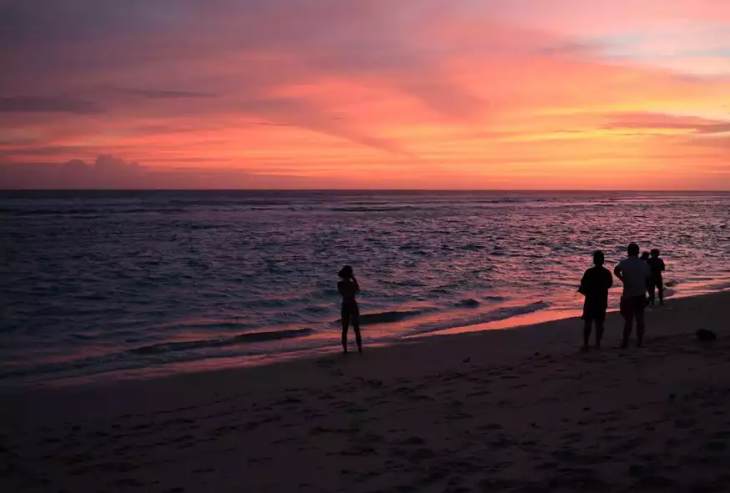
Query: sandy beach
{"points": [[503, 410]]}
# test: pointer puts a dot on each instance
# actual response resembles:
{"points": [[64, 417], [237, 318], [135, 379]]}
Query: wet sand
{"points": [[510, 410]]}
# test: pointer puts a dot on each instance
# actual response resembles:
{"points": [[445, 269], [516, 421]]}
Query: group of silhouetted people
{"points": [[640, 276], [656, 282]]}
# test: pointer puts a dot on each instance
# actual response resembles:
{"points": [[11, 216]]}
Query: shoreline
{"points": [[502, 408], [562, 333], [213, 364], [523, 321]]}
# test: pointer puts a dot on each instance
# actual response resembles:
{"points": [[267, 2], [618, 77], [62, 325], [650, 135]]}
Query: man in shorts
{"points": [[635, 274], [594, 286]]}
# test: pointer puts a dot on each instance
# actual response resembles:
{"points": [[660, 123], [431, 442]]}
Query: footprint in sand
{"points": [[716, 446], [653, 483], [421, 454], [128, 483], [414, 440], [358, 451], [490, 426]]}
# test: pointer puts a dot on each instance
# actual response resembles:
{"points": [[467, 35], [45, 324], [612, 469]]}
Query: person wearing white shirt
{"points": [[635, 274]]}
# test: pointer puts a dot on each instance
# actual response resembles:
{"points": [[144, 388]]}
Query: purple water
{"points": [[101, 284]]}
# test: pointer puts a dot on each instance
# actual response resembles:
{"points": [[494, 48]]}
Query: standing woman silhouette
{"points": [[348, 288]]}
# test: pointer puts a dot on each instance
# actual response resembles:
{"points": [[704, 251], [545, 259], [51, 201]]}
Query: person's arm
{"points": [[609, 281], [357, 286], [617, 272], [339, 288], [661, 265], [582, 286]]}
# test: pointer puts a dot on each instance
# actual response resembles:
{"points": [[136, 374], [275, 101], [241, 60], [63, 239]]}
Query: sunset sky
{"points": [[517, 94]]}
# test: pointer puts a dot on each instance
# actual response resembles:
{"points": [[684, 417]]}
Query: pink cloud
{"points": [[347, 92], [639, 120]]}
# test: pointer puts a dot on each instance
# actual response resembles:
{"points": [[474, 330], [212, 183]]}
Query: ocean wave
{"points": [[207, 325], [387, 317], [512, 311], [229, 203], [89, 211], [467, 303], [167, 347], [83, 337], [371, 209], [116, 361], [507, 200], [60, 367], [502, 313], [472, 246]]}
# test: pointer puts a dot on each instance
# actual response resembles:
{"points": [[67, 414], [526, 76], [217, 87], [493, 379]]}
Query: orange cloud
{"points": [[371, 94]]}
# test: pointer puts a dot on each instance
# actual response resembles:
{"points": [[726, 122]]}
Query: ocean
{"points": [[120, 284]]}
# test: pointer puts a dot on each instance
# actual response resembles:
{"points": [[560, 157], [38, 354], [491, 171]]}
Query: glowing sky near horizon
{"points": [[521, 94]]}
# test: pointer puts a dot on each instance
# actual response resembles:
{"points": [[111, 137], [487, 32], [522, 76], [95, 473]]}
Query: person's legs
{"points": [[356, 328], [627, 312], [639, 322], [652, 286], [599, 332], [660, 288], [586, 332], [345, 323], [628, 326]]}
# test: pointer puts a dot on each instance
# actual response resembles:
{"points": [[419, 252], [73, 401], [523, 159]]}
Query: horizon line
{"points": [[520, 190]]}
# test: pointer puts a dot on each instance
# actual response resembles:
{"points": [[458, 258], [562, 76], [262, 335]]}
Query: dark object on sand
{"points": [[705, 335]]}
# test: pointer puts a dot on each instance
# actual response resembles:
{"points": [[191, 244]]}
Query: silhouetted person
{"points": [[645, 258], [594, 286], [635, 275], [656, 265], [350, 312]]}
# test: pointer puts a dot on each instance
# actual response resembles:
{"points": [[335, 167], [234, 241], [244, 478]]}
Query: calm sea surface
{"points": [[111, 284]]}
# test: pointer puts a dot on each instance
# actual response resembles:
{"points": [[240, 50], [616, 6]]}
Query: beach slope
{"points": [[509, 410]]}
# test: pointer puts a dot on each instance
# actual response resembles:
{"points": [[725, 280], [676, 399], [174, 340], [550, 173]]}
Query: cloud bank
{"points": [[108, 172], [319, 93]]}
